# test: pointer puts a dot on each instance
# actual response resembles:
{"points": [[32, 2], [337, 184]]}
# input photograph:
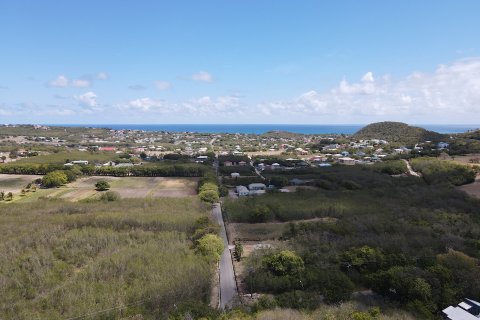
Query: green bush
{"points": [[436, 171], [54, 179], [210, 245], [283, 263], [210, 196], [110, 196], [102, 185]]}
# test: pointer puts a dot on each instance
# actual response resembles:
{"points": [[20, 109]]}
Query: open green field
{"points": [[102, 260]]}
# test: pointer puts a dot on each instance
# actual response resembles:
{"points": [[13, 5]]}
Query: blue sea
{"points": [[262, 128]]}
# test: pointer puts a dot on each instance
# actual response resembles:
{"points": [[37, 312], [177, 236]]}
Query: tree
{"points": [[285, 262], [4, 158], [102, 185], [279, 181], [260, 213], [238, 252], [10, 196], [209, 196], [54, 179], [2, 195], [210, 245]]}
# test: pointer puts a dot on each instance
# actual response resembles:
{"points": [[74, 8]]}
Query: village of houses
{"points": [[272, 151]]}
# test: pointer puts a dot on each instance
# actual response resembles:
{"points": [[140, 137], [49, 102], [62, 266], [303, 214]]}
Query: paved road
{"points": [[228, 288]]}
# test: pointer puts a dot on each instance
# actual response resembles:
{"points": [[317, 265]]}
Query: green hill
{"points": [[397, 132]]}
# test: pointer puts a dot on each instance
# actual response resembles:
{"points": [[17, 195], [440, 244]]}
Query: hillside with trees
{"points": [[397, 132]]}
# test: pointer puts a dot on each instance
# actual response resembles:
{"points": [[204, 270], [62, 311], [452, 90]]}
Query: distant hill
{"points": [[473, 134], [397, 132]]}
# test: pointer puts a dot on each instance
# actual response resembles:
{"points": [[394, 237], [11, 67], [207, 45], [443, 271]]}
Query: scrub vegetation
{"points": [[413, 241], [62, 260]]}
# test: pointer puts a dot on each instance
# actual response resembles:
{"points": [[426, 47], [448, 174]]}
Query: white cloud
{"points": [[451, 91], [202, 76], [213, 106], [205, 105], [102, 76], [60, 82], [146, 104], [88, 99], [80, 83], [162, 85], [136, 87]]}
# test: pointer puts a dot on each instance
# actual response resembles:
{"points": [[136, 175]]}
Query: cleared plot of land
{"points": [[15, 183], [470, 159], [132, 187], [472, 189]]}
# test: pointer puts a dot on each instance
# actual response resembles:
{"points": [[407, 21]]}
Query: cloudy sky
{"points": [[249, 61]]}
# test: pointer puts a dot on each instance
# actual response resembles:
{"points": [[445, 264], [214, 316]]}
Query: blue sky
{"points": [[239, 61]]}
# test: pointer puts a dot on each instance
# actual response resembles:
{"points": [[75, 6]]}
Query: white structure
{"points": [[346, 160], [235, 174], [442, 145], [257, 186], [256, 192], [466, 310], [242, 191], [82, 162]]}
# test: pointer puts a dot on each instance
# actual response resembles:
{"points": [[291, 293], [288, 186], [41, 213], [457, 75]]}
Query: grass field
{"points": [[15, 183], [61, 260]]}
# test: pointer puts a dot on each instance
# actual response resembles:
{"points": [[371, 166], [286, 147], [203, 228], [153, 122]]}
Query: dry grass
{"points": [[84, 188], [15, 183], [473, 189]]}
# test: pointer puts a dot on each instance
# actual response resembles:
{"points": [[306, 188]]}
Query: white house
{"points": [[242, 191], [466, 310], [442, 145], [256, 192], [346, 160], [257, 186], [235, 174], [82, 162]]}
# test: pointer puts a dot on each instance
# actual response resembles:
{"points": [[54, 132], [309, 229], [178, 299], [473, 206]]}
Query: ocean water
{"points": [[262, 128]]}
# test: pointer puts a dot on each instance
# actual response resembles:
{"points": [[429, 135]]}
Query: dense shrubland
{"points": [[150, 170], [413, 242], [435, 171], [60, 260]]}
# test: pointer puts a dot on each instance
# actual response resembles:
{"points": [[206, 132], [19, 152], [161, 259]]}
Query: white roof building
{"points": [[465, 310]]}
